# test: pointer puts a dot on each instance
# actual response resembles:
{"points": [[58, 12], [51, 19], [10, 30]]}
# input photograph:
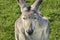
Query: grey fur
{"points": [[31, 19]]}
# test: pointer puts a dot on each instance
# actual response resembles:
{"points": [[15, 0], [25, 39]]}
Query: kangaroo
{"points": [[31, 25]]}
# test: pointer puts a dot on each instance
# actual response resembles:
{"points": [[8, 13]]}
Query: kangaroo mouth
{"points": [[29, 32]]}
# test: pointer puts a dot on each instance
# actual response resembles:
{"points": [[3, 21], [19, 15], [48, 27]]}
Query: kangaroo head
{"points": [[30, 16]]}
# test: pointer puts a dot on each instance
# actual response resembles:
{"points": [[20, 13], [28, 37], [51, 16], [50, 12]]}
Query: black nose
{"points": [[30, 32]]}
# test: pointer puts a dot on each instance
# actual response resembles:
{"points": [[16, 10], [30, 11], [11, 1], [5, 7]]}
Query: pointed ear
{"points": [[22, 4], [36, 4]]}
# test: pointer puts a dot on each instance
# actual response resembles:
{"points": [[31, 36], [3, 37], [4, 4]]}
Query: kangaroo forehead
{"points": [[30, 15]]}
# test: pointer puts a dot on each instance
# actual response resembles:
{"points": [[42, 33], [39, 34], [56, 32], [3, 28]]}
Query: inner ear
{"points": [[18, 0], [29, 8]]}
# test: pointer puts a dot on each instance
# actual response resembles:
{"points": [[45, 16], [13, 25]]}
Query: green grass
{"points": [[9, 12]]}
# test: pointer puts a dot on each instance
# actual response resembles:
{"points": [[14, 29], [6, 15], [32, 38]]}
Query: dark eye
{"points": [[34, 17], [24, 18]]}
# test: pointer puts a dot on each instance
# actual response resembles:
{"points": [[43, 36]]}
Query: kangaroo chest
{"points": [[38, 34]]}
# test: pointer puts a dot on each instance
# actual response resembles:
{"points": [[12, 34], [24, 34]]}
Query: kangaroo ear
{"points": [[36, 4], [22, 4]]}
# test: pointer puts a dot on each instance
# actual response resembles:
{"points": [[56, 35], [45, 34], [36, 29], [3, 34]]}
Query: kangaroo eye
{"points": [[34, 17], [24, 18]]}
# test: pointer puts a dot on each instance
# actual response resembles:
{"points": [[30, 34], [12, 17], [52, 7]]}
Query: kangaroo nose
{"points": [[30, 32]]}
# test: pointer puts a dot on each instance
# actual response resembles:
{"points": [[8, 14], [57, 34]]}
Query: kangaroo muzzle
{"points": [[30, 32]]}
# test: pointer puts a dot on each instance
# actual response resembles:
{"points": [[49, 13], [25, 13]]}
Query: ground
{"points": [[10, 11]]}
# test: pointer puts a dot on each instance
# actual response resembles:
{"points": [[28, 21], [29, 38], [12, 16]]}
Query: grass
{"points": [[9, 12]]}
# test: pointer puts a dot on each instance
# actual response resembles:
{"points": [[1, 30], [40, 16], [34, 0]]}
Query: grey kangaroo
{"points": [[31, 25]]}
